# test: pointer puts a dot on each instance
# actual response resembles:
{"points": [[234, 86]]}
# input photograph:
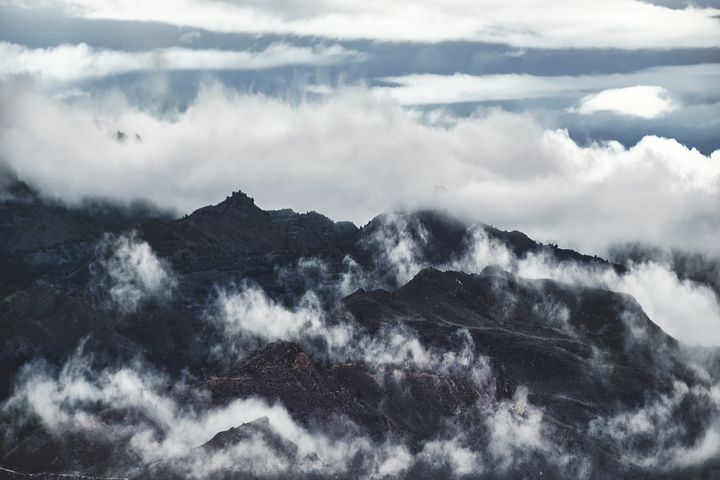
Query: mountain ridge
{"points": [[371, 329]]}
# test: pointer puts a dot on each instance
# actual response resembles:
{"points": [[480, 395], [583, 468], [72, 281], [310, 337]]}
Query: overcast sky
{"points": [[586, 123]]}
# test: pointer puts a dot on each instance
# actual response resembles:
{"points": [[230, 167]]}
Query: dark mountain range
{"points": [[242, 343]]}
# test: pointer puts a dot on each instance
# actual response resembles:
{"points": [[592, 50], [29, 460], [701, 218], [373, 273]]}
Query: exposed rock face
{"points": [[284, 372], [559, 359], [446, 358], [236, 234]]}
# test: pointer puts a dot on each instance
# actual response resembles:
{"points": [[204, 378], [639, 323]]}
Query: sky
{"points": [[583, 123]]}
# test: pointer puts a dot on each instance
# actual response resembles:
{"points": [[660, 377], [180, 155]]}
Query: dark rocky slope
{"points": [[581, 353]]}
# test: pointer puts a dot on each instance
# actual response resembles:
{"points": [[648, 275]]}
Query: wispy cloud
{"points": [[626, 24], [129, 273], [688, 311], [66, 63], [642, 92], [659, 421], [644, 101]]}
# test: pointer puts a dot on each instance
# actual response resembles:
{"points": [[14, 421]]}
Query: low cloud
{"points": [[300, 155], [686, 309], [515, 430], [248, 317], [658, 434], [318, 275], [461, 460], [399, 246], [164, 430], [128, 271], [69, 63], [166, 422]]}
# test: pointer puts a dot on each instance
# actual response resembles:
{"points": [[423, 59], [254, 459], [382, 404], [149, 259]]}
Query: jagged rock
{"points": [[252, 431], [283, 371]]}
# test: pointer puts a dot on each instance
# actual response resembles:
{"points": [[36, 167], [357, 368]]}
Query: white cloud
{"points": [[686, 310], [351, 156], [67, 63], [526, 23], [249, 314], [658, 421], [424, 89], [461, 460], [131, 273], [166, 430], [640, 101], [624, 93], [398, 248], [170, 431], [515, 430], [251, 311]]}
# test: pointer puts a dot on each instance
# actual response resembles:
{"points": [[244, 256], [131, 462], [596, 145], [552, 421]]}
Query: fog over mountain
{"points": [[241, 342], [359, 240]]}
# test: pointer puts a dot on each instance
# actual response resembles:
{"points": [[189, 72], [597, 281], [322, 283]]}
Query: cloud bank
{"points": [[625, 24], [68, 63], [643, 93], [301, 154]]}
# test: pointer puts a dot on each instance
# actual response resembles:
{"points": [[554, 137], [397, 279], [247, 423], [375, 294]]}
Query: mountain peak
{"points": [[236, 203], [239, 198]]}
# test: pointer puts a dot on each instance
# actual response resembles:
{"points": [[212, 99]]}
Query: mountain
{"points": [[236, 233], [133, 340]]}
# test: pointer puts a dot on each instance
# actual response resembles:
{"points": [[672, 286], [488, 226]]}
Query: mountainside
{"points": [[242, 343]]}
